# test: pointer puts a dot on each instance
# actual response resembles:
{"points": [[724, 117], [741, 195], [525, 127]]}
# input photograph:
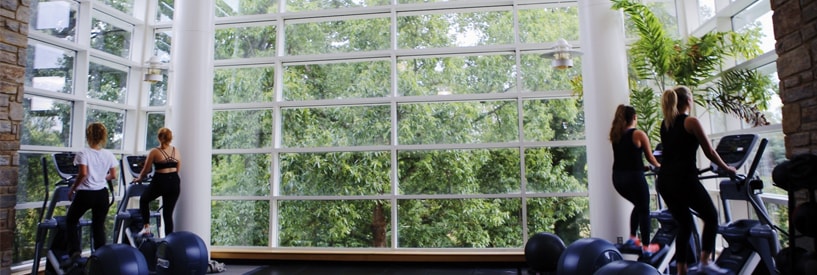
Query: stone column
{"points": [[14, 16], [795, 29]]}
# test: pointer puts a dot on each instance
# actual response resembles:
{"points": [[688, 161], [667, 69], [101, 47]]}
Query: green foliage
{"points": [[659, 61]]}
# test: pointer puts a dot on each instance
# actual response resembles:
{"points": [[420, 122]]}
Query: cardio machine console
{"points": [[135, 165], [65, 165], [735, 149]]}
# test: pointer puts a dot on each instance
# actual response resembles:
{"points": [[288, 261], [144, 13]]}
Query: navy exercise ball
{"points": [[182, 252], [805, 219], [542, 252], [585, 256], [117, 259], [627, 268]]}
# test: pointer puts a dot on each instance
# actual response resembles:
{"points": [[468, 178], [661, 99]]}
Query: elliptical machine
{"points": [[178, 252], [128, 220], [51, 230], [735, 151], [752, 244]]}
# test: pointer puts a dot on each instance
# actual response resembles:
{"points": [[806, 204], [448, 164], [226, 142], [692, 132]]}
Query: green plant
{"points": [[658, 62]]}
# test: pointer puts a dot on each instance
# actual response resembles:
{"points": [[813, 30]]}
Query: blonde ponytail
{"points": [[673, 101], [669, 106]]}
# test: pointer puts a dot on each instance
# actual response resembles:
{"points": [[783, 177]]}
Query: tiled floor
{"points": [[306, 268]]}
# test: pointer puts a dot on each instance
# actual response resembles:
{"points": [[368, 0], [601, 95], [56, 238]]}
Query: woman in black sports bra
{"points": [[166, 161]]}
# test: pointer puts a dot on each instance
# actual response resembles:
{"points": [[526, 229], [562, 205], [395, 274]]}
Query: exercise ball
{"points": [[181, 252], [805, 219], [542, 252], [116, 259], [627, 268], [585, 256], [806, 265], [787, 257]]}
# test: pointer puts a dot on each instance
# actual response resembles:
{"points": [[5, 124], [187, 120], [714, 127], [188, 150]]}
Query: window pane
{"points": [[556, 170], [479, 171], [114, 121], [706, 10], [245, 42], [348, 223], [155, 121], [125, 6], [460, 223], [757, 18], [336, 126], [226, 8], [455, 30], [157, 95], [538, 75], [109, 38], [548, 24], [242, 129], [243, 85], [240, 223], [254, 179], [553, 119], [25, 234], [457, 75], [337, 81], [569, 217], [457, 122], [336, 174], [30, 184], [354, 35], [54, 17], [162, 41], [300, 5], [49, 68], [107, 83], [47, 121], [165, 11]]}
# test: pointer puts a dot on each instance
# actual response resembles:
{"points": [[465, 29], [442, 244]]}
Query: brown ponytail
{"points": [[623, 117]]}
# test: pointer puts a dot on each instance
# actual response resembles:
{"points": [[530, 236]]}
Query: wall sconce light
{"points": [[562, 55], [153, 72]]}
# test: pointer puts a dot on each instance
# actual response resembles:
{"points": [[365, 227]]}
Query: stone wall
{"points": [[14, 18], [795, 29]]}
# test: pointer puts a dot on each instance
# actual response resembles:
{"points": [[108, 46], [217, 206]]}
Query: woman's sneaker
{"points": [[650, 249], [632, 242], [712, 268], [145, 232]]}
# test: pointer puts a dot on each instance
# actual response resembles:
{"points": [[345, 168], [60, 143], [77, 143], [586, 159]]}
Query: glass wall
{"points": [[352, 124], [435, 126]]}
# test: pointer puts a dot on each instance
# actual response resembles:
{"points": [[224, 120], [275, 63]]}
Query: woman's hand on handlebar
{"points": [[729, 170]]}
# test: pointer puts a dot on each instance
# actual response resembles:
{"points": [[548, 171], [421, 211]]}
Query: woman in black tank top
{"points": [[629, 145], [678, 183], [166, 162]]}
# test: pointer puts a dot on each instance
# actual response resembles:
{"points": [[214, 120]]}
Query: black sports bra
{"points": [[168, 162]]}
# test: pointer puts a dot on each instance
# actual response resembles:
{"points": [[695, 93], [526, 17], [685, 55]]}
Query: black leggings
{"points": [[633, 187], [97, 202], [165, 185], [682, 193]]}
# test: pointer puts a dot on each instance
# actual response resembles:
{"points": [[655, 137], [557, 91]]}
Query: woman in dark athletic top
{"points": [[629, 145], [678, 184], [166, 161]]}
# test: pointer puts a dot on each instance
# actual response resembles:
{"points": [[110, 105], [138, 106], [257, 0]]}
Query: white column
{"points": [[604, 73], [190, 111]]}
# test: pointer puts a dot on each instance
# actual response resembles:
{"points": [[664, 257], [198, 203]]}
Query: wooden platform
{"points": [[369, 255]]}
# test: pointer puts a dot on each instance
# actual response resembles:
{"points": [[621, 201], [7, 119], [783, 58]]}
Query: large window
{"points": [[69, 83], [441, 118], [347, 124]]}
